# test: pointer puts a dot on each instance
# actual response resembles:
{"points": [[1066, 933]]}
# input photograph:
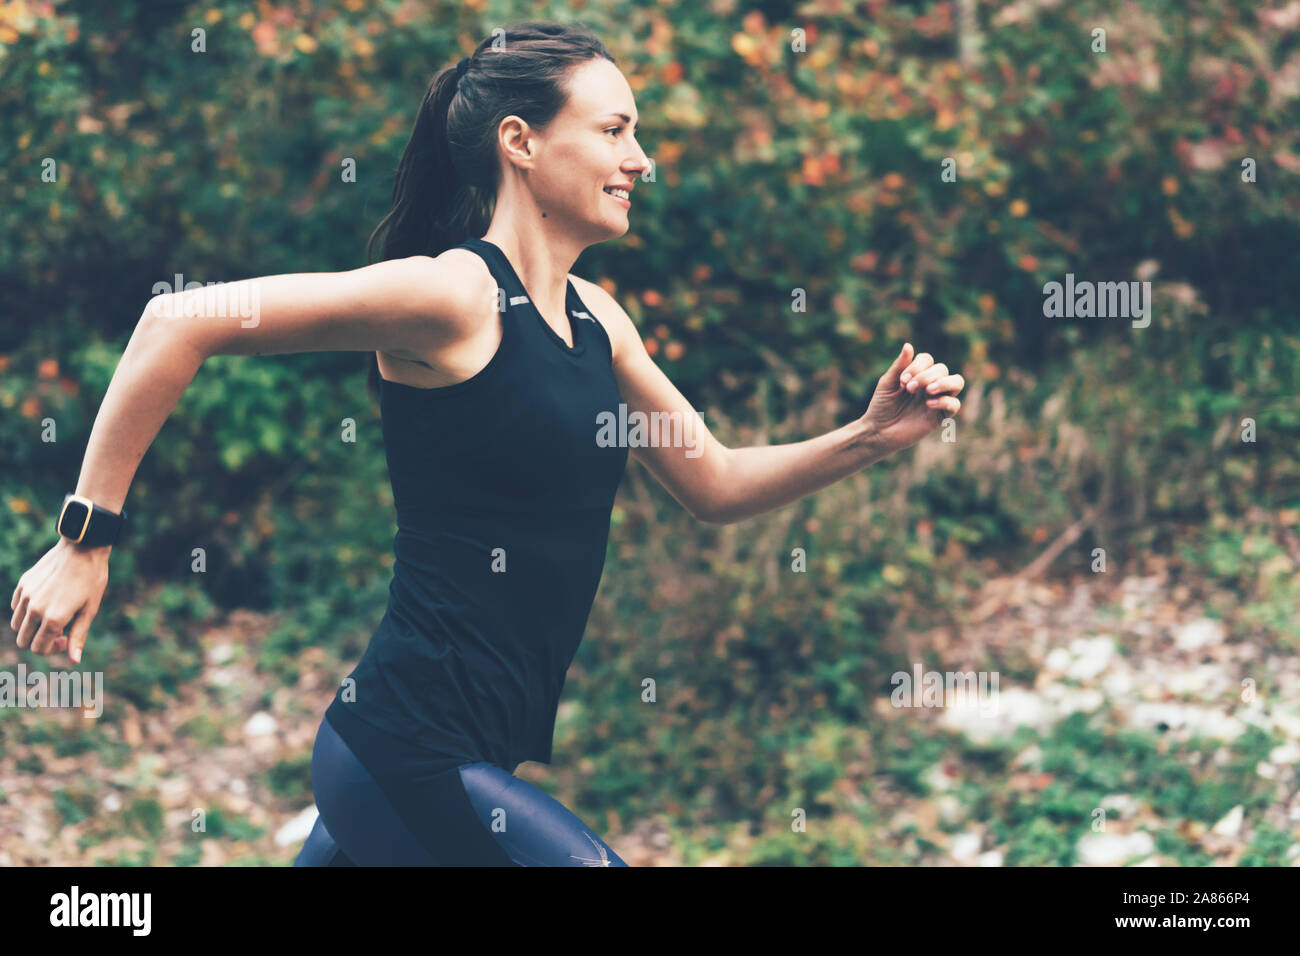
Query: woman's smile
{"points": [[619, 196]]}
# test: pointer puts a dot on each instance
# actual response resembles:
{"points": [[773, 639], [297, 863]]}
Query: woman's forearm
{"points": [[150, 378], [766, 477]]}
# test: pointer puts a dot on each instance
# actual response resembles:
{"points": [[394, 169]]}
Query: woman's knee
{"points": [[532, 827]]}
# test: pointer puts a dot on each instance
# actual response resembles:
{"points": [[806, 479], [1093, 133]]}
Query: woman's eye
{"points": [[614, 129]]}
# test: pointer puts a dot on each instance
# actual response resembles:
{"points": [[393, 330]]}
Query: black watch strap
{"points": [[84, 522]]}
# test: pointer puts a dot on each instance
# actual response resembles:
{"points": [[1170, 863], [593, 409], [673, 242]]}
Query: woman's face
{"points": [[588, 148]]}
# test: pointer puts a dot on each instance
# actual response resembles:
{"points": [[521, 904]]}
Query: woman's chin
{"points": [[614, 229]]}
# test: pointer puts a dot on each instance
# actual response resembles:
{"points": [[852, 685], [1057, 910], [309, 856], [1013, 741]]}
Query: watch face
{"points": [[73, 521]]}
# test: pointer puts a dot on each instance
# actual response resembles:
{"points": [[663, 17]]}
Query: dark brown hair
{"points": [[449, 174]]}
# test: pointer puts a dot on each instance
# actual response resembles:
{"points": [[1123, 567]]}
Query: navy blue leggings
{"points": [[475, 814]]}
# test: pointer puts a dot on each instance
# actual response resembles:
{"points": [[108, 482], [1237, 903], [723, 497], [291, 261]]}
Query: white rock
{"points": [[1091, 657], [297, 829], [1118, 683], [950, 808], [1230, 825], [1085, 699], [1031, 756], [1121, 804], [964, 846], [1057, 661], [984, 719], [1206, 721], [991, 858], [1286, 753], [259, 725], [1289, 723], [221, 653], [936, 779], [111, 802], [1199, 633], [1112, 849], [1205, 680], [1257, 715]]}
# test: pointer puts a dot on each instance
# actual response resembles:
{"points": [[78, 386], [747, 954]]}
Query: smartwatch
{"points": [[83, 522]]}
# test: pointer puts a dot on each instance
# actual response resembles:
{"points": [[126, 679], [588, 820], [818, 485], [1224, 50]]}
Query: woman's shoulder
{"points": [[458, 278]]}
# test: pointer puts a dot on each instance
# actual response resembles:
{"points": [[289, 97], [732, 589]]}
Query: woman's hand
{"points": [[67, 583], [911, 399]]}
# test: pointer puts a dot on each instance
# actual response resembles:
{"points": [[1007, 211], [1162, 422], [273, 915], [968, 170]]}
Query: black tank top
{"points": [[503, 500]]}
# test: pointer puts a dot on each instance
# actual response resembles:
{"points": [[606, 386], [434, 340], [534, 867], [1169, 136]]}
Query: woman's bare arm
{"points": [[720, 485], [403, 307]]}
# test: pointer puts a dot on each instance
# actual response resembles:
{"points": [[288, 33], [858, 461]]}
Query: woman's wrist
{"points": [[100, 550], [867, 442]]}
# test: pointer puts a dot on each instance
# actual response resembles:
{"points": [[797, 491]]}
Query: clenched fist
{"points": [[63, 589], [911, 399]]}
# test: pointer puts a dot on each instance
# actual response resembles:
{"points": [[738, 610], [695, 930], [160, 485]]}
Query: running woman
{"points": [[495, 367]]}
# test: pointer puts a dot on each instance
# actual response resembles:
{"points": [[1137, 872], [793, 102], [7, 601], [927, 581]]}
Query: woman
{"points": [[494, 366]]}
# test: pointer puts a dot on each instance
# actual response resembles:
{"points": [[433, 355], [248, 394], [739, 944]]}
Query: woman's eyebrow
{"points": [[625, 118]]}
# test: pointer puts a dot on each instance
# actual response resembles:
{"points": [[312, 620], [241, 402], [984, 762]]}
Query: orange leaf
{"points": [[866, 261]]}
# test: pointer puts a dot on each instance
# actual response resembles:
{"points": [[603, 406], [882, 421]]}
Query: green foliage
{"points": [[230, 826], [143, 817], [143, 857], [74, 805], [291, 779], [203, 731], [1268, 848], [187, 856]]}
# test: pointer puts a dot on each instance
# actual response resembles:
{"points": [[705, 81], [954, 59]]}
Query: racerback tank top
{"points": [[503, 501]]}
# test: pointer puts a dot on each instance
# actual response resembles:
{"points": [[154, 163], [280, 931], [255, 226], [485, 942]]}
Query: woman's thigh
{"points": [[354, 813], [476, 814]]}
